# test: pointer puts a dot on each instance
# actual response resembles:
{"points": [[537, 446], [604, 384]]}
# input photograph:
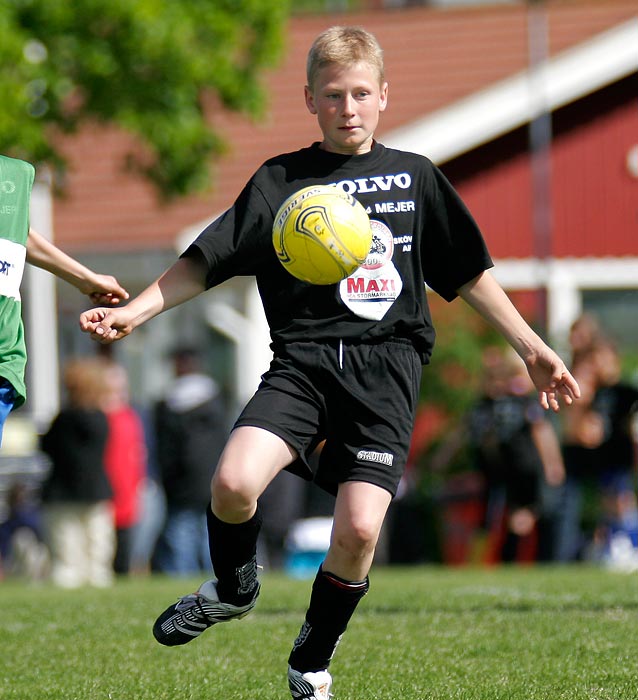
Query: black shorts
{"points": [[360, 398]]}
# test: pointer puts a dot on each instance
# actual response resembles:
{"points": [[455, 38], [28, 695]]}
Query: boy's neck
{"points": [[324, 147]]}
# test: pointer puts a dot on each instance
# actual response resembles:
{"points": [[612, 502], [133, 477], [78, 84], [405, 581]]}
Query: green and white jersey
{"points": [[16, 182]]}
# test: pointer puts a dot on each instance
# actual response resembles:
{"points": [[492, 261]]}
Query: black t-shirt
{"points": [[75, 443], [616, 405], [189, 443], [427, 233], [500, 436]]}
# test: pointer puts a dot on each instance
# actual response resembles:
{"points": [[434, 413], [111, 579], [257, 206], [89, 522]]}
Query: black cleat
{"points": [[195, 613]]}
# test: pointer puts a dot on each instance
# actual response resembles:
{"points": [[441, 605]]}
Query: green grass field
{"points": [[421, 633]]}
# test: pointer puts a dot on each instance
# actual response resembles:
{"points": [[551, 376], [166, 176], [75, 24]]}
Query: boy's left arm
{"points": [[102, 289], [551, 377]]}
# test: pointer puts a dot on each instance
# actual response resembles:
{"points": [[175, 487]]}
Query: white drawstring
{"points": [[340, 354]]}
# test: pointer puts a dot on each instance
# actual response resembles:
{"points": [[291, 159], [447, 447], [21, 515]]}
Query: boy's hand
{"points": [[103, 289], [106, 325], [552, 379]]}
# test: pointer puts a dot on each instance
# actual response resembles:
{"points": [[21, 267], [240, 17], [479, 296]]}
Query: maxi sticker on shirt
{"points": [[372, 289]]}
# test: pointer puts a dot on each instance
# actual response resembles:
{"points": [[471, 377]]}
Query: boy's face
{"points": [[347, 101]]}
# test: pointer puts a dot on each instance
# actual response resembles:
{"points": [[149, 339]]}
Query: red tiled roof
{"points": [[433, 58]]}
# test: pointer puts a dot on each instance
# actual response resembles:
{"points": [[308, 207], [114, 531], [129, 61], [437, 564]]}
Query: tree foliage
{"points": [[148, 66]]}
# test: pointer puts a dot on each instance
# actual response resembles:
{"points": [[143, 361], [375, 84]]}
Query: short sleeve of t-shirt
{"points": [[234, 244], [452, 247]]}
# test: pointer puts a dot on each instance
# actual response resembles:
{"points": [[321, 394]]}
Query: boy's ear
{"points": [[310, 101], [383, 97]]}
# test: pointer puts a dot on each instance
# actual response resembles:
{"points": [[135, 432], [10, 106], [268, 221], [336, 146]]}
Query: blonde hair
{"points": [[84, 382], [344, 46]]}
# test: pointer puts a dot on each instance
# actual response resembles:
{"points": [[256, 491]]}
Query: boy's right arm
{"points": [[181, 282], [546, 369]]}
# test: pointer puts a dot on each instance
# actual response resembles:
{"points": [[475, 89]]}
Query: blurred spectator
{"points": [[152, 503], [584, 334], [190, 431], [616, 403], [124, 460], [516, 467], [77, 493], [22, 548], [517, 450], [582, 433], [599, 510]]}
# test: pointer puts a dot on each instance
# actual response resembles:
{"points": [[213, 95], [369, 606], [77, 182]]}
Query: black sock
{"points": [[233, 553], [332, 603]]}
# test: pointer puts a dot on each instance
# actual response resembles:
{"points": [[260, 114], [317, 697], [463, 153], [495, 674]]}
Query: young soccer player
{"points": [[347, 366], [19, 242]]}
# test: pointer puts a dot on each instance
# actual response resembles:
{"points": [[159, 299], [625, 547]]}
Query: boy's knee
{"points": [[358, 539], [230, 496]]}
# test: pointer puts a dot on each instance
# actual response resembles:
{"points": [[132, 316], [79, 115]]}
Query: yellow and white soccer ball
{"points": [[321, 234]]}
